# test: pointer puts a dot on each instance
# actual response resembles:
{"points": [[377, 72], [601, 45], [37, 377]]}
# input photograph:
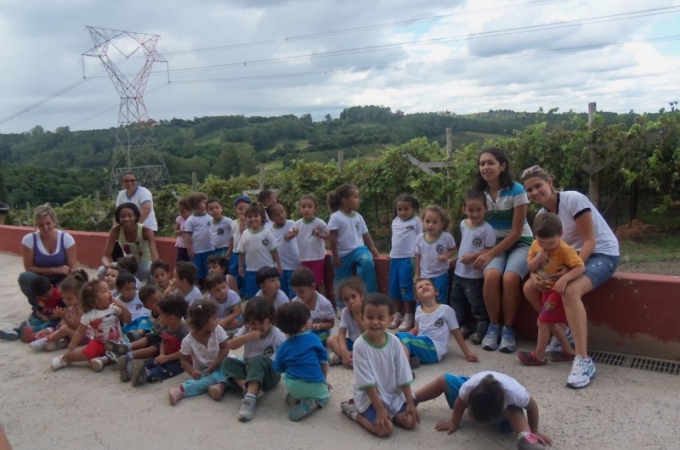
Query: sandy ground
{"points": [[76, 408]]}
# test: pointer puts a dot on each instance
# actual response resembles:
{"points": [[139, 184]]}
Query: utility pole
{"points": [[341, 161], [449, 151]]}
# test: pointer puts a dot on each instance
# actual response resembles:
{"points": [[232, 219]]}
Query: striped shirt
{"points": [[501, 212]]}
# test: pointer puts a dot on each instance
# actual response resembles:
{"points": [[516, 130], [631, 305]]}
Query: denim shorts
{"points": [[512, 260], [600, 268]]}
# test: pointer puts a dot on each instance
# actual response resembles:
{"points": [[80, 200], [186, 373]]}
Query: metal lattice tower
{"points": [[135, 143]]}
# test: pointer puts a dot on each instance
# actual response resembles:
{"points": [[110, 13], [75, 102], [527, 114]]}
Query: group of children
{"points": [[160, 330]]}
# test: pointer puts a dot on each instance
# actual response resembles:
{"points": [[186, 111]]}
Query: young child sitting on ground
{"points": [[172, 308], [351, 291], [260, 339], [202, 352], [103, 317], [382, 378], [491, 397], [304, 361], [140, 324], [160, 271], [547, 255], [44, 319], [220, 264], [228, 302], [184, 280], [270, 286], [110, 276], [434, 323], [321, 309]]}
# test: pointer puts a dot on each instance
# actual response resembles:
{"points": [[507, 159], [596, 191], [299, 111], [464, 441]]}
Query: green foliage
{"points": [[82, 214]]}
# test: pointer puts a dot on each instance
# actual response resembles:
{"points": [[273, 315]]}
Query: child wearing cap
{"points": [[241, 204]]}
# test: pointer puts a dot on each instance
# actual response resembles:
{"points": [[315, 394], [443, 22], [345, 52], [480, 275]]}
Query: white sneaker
{"points": [[97, 364], [58, 363], [38, 344], [408, 323], [582, 373], [396, 321]]}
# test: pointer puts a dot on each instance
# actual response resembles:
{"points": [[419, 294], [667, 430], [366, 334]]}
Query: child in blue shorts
{"points": [[197, 234], [434, 323], [406, 227], [434, 249], [491, 397]]}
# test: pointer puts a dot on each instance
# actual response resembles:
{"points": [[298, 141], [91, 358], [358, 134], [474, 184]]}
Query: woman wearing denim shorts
{"points": [[585, 229]]}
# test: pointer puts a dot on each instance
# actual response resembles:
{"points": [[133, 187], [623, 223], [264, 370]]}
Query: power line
{"points": [[42, 102]]}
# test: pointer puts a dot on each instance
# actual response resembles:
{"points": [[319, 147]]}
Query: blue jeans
{"points": [[469, 291], [159, 372], [196, 387]]}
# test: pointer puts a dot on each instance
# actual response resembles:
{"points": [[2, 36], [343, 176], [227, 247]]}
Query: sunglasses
{"points": [[526, 172]]}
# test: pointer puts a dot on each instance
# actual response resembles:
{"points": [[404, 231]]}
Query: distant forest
{"points": [[44, 166]]}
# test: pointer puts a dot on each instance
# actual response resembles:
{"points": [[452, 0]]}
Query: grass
{"points": [[654, 249]]}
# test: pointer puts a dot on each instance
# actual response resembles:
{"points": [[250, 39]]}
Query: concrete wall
{"points": [[631, 313]]}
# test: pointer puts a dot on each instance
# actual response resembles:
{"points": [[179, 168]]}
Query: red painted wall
{"points": [[631, 313]]}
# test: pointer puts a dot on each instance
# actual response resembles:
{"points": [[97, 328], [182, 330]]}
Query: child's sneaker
{"points": [[476, 338], [52, 346], [582, 373], [305, 408], [490, 341], [561, 356], [334, 360], [508, 344], [292, 401], [38, 344], [465, 331], [396, 321], [408, 323], [176, 394], [9, 334], [27, 333], [58, 363], [413, 362], [528, 441], [531, 359], [247, 410], [124, 368], [350, 409], [216, 391], [97, 364], [138, 372], [134, 336], [120, 347]]}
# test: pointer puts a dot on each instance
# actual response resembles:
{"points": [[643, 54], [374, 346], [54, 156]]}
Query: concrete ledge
{"points": [[631, 313]]}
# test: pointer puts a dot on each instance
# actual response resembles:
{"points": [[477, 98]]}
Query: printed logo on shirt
{"points": [[477, 242], [268, 352], [138, 306], [410, 228], [438, 323], [357, 225], [220, 231], [265, 242], [441, 249]]}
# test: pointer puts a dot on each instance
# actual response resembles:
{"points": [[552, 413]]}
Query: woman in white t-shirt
{"points": [[140, 196], [585, 229], [46, 251]]}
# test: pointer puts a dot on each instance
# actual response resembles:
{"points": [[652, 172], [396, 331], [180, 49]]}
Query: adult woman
{"points": [[47, 251], [585, 229], [505, 265], [141, 197], [135, 239]]}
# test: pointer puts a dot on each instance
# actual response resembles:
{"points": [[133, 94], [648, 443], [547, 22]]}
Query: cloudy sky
{"points": [[271, 57]]}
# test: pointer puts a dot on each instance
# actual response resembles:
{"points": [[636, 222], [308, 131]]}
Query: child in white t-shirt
{"points": [[202, 352], [434, 323], [311, 239], [351, 292], [434, 249], [183, 282], [321, 309], [140, 320], [241, 204], [382, 378], [181, 253], [220, 229], [490, 397], [468, 282], [256, 248], [351, 243], [259, 339], [285, 232], [197, 234], [406, 227], [228, 302]]}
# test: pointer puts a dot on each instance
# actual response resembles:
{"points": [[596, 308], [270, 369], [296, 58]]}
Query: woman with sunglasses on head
{"points": [[585, 229], [504, 265], [140, 196]]}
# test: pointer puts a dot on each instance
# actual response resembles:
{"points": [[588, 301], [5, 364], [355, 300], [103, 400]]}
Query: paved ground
{"points": [[76, 408]]}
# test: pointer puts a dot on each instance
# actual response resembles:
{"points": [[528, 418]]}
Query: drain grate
{"points": [[636, 362], [656, 365]]}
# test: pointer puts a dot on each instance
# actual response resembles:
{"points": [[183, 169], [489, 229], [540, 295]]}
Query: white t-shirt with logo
{"points": [[203, 355], [515, 393], [404, 234], [142, 195], [258, 248], [348, 323], [322, 311], [136, 307], [351, 230], [570, 206], [193, 295], [437, 325], [227, 306], [288, 250], [266, 345], [430, 266], [199, 229], [105, 324], [311, 247], [280, 300], [474, 239], [220, 232]]}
